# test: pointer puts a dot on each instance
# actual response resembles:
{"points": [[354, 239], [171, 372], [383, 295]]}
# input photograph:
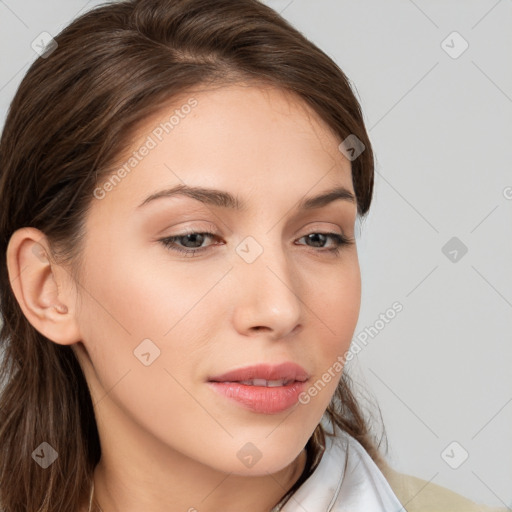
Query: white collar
{"points": [[345, 480]]}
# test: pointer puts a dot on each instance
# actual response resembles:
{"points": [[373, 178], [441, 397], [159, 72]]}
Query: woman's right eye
{"points": [[192, 237]]}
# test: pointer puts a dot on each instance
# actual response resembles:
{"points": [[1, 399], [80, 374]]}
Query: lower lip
{"points": [[262, 399]]}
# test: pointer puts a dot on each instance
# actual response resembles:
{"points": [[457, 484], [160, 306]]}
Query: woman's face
{"points": [[266, 288]]}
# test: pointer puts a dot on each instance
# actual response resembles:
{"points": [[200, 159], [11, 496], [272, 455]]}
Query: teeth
{"points": [[274, 383], [265, 383]]}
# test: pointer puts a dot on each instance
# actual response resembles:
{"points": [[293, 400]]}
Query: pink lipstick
{"points": [[266, 389]]}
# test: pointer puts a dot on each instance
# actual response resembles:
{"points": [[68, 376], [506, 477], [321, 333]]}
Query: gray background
{"points": [[441, 128]]}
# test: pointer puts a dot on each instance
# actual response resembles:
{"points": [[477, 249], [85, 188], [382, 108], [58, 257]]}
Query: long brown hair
{"points": [[72, 115]]}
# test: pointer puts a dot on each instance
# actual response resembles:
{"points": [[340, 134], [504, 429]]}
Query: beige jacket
{"points": [[417, 495]]}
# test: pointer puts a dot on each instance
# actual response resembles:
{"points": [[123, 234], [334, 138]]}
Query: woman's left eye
{"points": [[196, 239]]}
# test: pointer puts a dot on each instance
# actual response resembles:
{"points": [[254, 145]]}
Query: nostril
{"points": [[259, 328]]}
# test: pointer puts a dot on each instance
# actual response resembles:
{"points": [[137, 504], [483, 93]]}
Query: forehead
{"points": [[238, 137], [242, 112]]}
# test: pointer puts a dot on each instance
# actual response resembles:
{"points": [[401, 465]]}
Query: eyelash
{"points": [[340, 240]]}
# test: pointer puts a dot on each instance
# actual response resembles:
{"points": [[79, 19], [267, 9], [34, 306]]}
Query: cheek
{"points": [[146, 297], [334, 300], [143, 327], [130, 300], [335, 307]]}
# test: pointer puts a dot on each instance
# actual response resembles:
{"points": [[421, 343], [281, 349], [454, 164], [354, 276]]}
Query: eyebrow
{"points": [[222, 199]]}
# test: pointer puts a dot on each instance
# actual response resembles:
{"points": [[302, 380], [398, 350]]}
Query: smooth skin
{"points": [[169, 442]]}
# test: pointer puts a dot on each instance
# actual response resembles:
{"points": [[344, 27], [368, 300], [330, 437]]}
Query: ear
{"points": [[44, 290]]}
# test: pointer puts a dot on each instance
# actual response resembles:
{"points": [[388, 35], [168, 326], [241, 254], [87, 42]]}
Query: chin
{"points": [[268, 455], [262, 468]]}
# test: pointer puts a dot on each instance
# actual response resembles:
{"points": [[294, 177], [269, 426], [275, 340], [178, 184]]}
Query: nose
{"points": [[267, 299]]}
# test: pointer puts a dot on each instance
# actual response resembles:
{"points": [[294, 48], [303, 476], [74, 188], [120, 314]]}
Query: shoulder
{"points": [[418, 495], [414, 494]]}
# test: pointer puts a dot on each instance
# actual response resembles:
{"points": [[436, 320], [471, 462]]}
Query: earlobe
{"points": [[42, 288]]}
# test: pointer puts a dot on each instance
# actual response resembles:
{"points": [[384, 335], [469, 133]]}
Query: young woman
{"points": [[180, 182]]}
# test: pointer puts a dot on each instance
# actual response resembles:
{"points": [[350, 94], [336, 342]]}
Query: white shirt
{"points": [[345, 480]]}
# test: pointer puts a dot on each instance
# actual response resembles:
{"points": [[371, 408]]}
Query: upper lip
{"points": [[287, 371]]}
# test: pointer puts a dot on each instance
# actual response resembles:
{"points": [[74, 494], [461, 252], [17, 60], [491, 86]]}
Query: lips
{"points": [[257, 374], [262, 388]]}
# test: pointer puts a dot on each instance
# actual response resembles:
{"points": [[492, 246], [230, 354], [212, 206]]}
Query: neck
{"points": [[231, 494]]}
